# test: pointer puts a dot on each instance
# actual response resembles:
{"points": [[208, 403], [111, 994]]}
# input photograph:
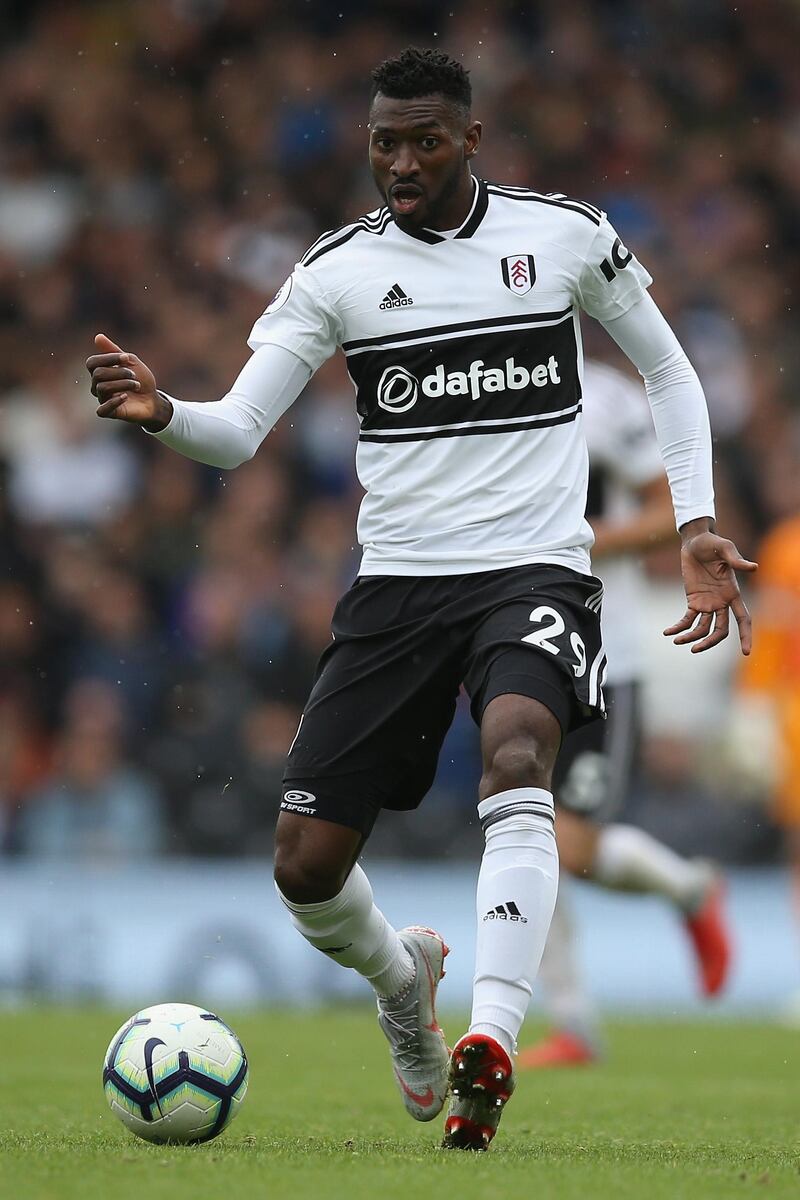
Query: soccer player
{"points": [[629, 510], [456, 305]]}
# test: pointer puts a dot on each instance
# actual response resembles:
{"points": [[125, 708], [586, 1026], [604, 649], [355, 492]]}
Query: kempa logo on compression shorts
{"points": [[296, 800], [398, 390]]}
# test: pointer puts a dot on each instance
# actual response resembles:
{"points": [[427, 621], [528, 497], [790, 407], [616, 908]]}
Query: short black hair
{"points": [[416, 72]]}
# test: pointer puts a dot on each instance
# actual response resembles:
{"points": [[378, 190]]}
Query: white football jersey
{"points": [[623, 457], [465, 353]]}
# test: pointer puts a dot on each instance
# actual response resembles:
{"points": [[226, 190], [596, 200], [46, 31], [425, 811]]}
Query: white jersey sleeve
{"points": [[300, 319], [677, 403], [612, 280], [227, 432]]}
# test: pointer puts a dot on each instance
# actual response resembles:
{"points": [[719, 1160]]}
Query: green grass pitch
{"points": [[696, 1110]]}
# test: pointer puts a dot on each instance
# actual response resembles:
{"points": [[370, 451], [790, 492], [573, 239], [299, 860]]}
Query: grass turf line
{"points": [[678, 1110]]}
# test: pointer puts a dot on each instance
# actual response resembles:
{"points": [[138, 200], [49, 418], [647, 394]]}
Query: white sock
{"points": [[560, 979], [351, 930], [629, 859], [517, 888]]}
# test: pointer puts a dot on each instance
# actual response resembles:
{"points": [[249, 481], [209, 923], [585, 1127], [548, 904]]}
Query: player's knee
{"points": [[313, 858], [515, 763], [305, 871], [307, 882]]}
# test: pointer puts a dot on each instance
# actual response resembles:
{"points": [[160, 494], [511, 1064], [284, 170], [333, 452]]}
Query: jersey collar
{"points": [[474, 217]]}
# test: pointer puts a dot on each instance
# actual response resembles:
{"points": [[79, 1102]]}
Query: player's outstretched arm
{"points": [[223, 433], [125, 387], [709, 564]]}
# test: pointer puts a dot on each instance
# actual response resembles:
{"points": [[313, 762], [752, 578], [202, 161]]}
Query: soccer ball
{"points": [[175, 1073]]}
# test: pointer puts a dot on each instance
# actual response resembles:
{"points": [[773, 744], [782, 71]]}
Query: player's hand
{"points": [[709, 564], [125, 387]]}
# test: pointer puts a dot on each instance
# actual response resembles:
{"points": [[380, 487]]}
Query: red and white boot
{"points": [[481, 1082]]}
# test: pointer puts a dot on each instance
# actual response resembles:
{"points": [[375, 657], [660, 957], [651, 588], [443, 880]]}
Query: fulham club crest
{"points": [[519, 273]]}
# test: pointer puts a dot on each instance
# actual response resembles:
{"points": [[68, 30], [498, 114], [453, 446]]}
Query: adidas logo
{"points": [[506, 912], [395, 298]]}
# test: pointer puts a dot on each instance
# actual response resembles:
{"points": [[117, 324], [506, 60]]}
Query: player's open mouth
{"points": [[405, 199]]}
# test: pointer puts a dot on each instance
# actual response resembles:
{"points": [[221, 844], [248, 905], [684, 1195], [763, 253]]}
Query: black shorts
{"points": [[596, 763], [386, 686]]}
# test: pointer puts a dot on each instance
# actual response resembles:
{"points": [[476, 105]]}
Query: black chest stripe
{"points": [[481, 427], [434, 331], [491, 382]]}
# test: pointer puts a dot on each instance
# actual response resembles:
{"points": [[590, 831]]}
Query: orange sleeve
{"points": [[776, 615]]}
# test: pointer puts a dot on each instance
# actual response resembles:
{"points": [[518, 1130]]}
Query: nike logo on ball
{"points": [[149, 1047]]}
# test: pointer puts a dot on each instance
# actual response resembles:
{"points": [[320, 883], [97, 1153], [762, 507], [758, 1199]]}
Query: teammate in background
{"points": [[629, 510], [456, 305]]}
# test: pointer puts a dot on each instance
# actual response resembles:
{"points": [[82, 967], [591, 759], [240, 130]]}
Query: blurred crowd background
{"points": [[163, 164]]}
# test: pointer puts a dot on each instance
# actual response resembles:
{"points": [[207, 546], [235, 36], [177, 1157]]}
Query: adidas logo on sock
{"points": [[395, 298], [506, 912]]}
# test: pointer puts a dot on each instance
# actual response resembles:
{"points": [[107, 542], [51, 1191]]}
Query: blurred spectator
{"points": [[115, 643], [63, 470], [95, 806], [25, 756], [39, 203]]}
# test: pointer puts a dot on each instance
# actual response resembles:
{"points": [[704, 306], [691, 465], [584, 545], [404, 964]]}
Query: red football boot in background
{"points": [[708, 932], [558, 1049]]}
